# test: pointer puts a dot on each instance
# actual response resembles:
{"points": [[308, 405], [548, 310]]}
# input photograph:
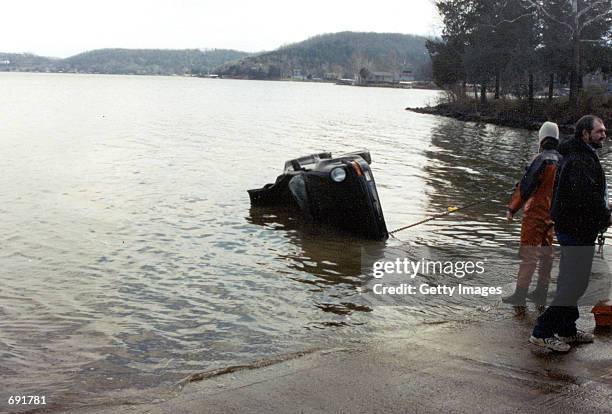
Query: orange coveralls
{"points": [[534, 194]]}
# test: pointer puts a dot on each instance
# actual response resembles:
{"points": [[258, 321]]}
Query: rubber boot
{"points": [[517, 298], [538, 297]]}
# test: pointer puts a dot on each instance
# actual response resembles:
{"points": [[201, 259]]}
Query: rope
{"points": [[448, 211]]}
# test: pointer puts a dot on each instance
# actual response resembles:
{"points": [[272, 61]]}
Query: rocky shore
{"points": [[513, 120], [517, 114]]}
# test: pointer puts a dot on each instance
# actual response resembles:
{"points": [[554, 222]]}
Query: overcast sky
{"points": [[62, 28]]}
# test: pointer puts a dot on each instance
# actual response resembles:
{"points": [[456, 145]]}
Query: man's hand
{"points": [[510, 216]]}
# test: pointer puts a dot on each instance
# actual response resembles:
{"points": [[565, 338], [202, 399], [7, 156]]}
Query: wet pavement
{"points": [[482, 363]]}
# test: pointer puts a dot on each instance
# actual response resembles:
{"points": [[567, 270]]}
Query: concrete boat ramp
{"points": [[481, 364]]}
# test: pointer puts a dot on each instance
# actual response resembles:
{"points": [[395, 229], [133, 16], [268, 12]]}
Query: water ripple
{"points": [[129, 250]]}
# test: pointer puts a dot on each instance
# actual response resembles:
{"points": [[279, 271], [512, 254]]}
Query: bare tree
{"points": [[592, 11]]}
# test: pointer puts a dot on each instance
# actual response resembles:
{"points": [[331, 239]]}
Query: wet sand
{"points": [[477, 364]]}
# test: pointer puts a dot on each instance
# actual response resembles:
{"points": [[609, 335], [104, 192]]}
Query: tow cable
{"points": [[601, 238], [448, 211]]}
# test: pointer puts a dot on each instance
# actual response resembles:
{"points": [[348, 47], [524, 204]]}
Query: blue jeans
{"points": [[574, 273]]}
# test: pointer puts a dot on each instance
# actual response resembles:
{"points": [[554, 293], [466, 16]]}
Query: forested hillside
{"points": [[336, 55], [125, 61], [24, 61], [328, 56]]}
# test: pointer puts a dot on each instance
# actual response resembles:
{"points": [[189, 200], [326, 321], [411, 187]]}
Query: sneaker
{"points": [[551, 343], [581, 337]]}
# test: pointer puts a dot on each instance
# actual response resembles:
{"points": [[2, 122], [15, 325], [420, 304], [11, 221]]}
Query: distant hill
{"points": [[24, 61], [328, 56], [150, 61], [126, 61], [336, 55]]}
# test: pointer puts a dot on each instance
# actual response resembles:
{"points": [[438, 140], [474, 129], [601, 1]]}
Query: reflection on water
{"points": [[469, 162], [322, 252], [328, 262], [131, 256]]}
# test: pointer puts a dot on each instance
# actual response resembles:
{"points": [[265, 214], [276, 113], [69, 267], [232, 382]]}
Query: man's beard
{"points": [[597, 144]]}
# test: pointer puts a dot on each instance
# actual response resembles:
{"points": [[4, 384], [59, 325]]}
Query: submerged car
{"points": [[340, 191]]}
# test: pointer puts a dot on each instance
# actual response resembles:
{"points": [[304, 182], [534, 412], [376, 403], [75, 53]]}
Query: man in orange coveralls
{"points": [[534, 193]]}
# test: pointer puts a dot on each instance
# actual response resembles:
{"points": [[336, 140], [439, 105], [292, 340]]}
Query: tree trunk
{"points": [[575, 75], [497, 76], [531, 94], [483, 93], [475, 91], [551, 86]]}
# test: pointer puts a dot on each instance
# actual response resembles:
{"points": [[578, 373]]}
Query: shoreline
{"points": [[472, 358], [335, 81], [531, 124]]}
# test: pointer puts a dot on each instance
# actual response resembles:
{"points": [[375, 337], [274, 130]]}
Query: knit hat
{"points": [[548, 130]]}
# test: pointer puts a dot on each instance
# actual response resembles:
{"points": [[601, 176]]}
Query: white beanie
{"points": [[548, 130]]}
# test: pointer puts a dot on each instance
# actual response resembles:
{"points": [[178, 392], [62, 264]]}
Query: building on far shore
{"points": [[366, 77], [381, 77], [406, 75], [297, 74], [332, 76]]}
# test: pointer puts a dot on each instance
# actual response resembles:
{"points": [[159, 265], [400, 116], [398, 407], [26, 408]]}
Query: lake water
{"points": [[130, 255]]}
